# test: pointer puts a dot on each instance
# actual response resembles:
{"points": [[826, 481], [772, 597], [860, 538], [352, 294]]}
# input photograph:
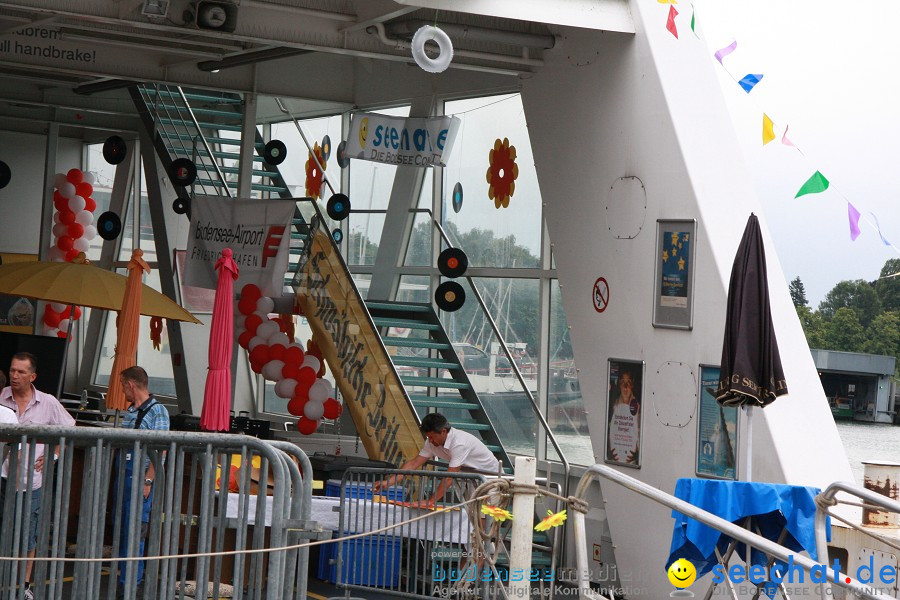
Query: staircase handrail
{"points": [[206, 146]]}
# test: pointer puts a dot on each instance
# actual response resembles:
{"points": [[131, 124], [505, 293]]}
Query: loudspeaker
{"points": [[275, 152], [449, 296], [453, 263], [338, 207], [217, 15], [182, 171]]}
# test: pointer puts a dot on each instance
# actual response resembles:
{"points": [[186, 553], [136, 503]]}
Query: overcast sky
{"points": [[830, 74]]}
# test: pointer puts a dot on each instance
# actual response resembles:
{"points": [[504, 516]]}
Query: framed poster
{"points": [[17, 314], [624, 413], [717, 431], [673, 283]]}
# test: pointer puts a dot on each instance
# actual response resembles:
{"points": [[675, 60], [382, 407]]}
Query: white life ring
{"points": [[430, 33]]}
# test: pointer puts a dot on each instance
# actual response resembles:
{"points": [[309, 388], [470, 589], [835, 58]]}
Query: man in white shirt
{"points": [[459, 448]]}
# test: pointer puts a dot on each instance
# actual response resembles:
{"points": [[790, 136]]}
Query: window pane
{"points": [[566, 414], [294, 168], [505, 237]]}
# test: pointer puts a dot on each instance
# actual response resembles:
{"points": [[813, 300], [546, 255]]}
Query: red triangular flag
{"points": [[670, 23]]}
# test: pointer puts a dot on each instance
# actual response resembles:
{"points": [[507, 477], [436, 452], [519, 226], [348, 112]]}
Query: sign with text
{"points": [[420, 142], [717, 431], [257, 231]]}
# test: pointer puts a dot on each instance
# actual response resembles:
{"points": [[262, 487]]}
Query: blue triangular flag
{"points": [[749, 81]]}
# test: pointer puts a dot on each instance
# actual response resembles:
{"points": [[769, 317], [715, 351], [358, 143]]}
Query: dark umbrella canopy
{"points": [[751, 372]]}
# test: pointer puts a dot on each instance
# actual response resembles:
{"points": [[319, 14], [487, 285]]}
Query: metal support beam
{"points": [[248, 139], [398, 222], [152, 175]]}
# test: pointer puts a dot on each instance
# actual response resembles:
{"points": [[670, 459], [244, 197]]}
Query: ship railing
{"points": [[773, 550], [209, 494]]}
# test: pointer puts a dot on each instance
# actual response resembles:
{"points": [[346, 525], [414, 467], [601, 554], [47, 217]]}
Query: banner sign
{"points": [[257, 231], [421, 142]]}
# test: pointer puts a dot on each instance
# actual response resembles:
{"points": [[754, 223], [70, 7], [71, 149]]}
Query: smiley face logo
{"points": [[682, 573], [363, 131]]}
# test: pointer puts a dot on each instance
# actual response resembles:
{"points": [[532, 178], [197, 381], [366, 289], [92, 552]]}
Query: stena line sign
{"points": [[420, 142]]}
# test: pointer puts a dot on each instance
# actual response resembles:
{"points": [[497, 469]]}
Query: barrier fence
{"points": [[211, 491]]}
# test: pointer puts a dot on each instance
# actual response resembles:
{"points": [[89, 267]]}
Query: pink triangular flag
{"points": [[670, 23], [853, 214], [784, 138]]}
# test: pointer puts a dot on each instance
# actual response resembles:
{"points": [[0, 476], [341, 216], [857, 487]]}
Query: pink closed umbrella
{"points": [[216, 412]]}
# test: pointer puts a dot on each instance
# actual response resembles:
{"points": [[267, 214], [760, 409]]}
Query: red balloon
{"points": [[260, 354], [301, 393], [251, 291], [61, 334], [332, 409], [256, 366], [84, 189], [51, 317], [307, 426], [276, 351], [90, 204], [290, 371], [77, 313], [65, 312], [295, 406], [251, 323], [59, 202], [306, 378], [246, 306], [244, 339], [66, 216], [293, 355], [75, 176], [76, 230], [64, 243], [71, 254]]}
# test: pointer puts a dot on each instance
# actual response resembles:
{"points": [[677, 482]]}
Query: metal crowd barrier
{"points": [[193, 512]]}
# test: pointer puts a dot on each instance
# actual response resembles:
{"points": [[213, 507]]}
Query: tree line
{"points": [[855, 316]]}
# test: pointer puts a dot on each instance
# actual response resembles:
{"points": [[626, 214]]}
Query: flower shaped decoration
{"points": [[551, 520], [314, 174], [502, 173], [495, 512]]}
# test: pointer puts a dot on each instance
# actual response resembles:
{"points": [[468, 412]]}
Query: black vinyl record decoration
{"points": [[275, 152], [338, 236], [453, 263], [183, 171], [326, 148], [338, 207], [109, 226], [181, 206], [114, 150], [457, 197], [449, 296], [5, 174], [343, 161]]}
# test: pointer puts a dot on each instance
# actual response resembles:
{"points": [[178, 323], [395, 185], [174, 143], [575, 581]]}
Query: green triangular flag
{"points": [[814, 185]]}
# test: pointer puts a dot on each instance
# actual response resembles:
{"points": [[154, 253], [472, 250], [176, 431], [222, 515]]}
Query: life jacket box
{"points": [[368, 561]]}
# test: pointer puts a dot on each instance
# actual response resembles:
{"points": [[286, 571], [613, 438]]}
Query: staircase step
{"points": [[207, 112], [425, 363], [199, 97], [414, 343], [233, 184], [473, 426], [422, 401], [436, 382], [254, 172], [211, 140], [407, 323], [188, 124], [398, 307]]}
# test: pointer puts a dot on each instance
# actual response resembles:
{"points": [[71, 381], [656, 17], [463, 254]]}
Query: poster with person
{"points": [[624, 405]]}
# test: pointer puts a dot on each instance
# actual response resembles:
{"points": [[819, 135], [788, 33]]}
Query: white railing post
{"points": [[520, 543]]}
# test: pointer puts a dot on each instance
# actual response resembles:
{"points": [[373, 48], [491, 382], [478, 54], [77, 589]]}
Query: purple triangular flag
{"points": [[853, 214]]}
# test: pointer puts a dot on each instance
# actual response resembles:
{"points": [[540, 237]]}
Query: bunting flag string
{"points": [[670, 22], [853, 215], [694, 21], [721, 54], [816, 184], [768, 129]]}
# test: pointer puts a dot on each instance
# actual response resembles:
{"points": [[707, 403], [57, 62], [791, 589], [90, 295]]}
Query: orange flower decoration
{"points": [[502, 173], [314, 174], [551, 520], [498, 514]]}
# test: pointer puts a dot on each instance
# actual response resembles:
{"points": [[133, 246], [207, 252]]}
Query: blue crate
{"points": [[358, 489], [369, 561]]}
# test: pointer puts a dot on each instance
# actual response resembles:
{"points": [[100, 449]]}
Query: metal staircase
{"points": [[431, 371]]}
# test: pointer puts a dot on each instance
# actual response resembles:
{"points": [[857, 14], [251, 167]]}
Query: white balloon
{"points": [[279, 337], [56, 220], [51, 331], [90, 232], [319, 391], [83, 217], [313, 410], [285, 388], [56, 255], [255, 341], [59, 180], [58, 306], [67, 190], [60, 230], [64, 325], [272, 370], [76, 204], [81, 244], [311, 361], [89, 178], [267, 329], [265, 305]]}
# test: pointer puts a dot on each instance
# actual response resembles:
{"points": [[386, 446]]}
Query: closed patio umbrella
{"points": [[751, 373], [127, 330], [216, 412]]}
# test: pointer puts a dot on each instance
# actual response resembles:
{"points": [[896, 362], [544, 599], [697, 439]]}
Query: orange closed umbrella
{"points": [[127, 330]]}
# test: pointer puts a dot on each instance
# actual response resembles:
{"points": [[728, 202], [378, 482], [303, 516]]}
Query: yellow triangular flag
{"points": [[768, 129]]}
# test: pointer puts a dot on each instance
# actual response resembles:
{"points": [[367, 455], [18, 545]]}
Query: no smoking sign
{"points": [[601, 295]]}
